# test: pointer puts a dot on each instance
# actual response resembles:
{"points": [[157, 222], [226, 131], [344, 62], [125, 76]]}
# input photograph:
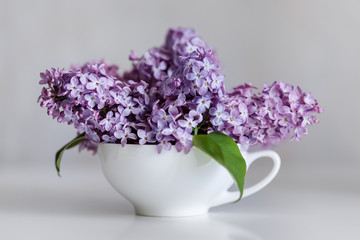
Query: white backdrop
{"points": [[311, 43], [314, 44]]}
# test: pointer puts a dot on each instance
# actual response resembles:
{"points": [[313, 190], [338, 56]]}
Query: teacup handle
{"points": [[228, 196]]}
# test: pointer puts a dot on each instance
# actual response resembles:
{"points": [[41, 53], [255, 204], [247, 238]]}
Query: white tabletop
{"points": [[36, 204]]}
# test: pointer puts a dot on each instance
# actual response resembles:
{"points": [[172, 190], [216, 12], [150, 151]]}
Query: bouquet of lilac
{"points": [[174, 96]]}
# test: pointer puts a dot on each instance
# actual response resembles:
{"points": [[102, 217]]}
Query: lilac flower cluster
{"points": [[172, 92], [265, 118]]}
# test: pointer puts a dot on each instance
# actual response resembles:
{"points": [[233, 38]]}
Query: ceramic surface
{"points": [[171, 183]]}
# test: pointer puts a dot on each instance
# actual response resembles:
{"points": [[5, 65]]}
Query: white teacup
{"points": [[174, 184]]}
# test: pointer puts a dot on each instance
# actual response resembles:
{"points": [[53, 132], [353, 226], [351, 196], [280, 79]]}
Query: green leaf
{"points": [[69, 145], [225, 151]]}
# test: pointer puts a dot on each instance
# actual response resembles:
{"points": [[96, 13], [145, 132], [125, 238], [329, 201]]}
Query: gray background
{"points": [[310, 43]]}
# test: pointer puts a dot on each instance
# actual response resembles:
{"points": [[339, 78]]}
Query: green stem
{"points": [[196, 131]]}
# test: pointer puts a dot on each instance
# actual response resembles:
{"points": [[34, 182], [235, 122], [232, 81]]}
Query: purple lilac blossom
{"points": [[170, 91]]}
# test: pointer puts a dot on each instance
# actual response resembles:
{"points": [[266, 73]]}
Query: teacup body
{"points": [[165, 184]]}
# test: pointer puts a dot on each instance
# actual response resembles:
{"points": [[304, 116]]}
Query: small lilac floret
{"points": [[124, 135], [145, 137], [108, 121]]}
